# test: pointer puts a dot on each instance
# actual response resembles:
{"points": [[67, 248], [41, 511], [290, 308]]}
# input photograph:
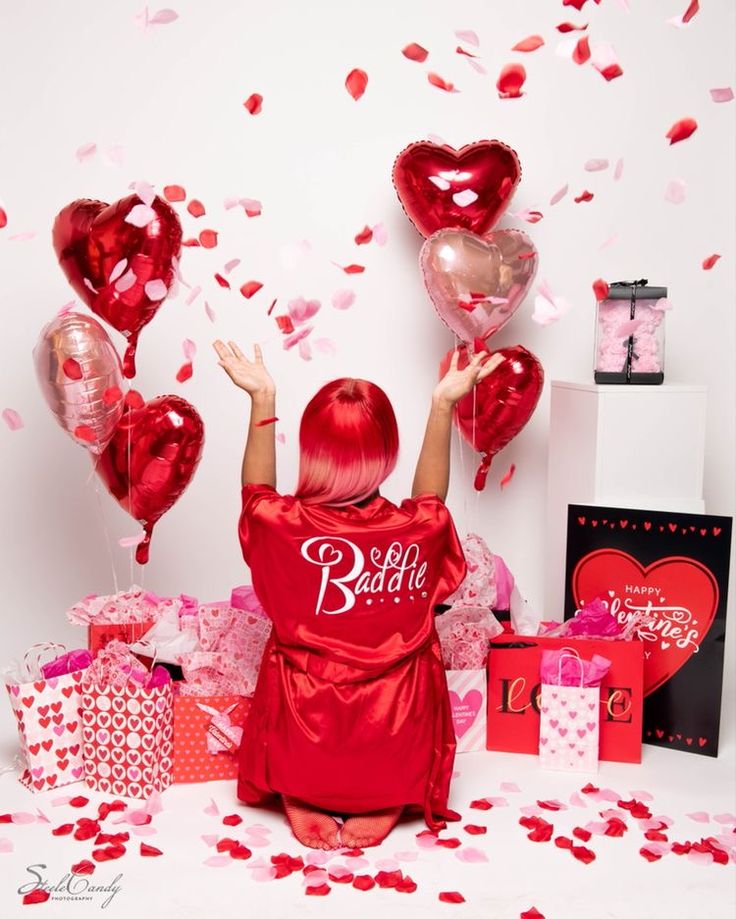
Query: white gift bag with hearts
{"points": [[47, 714], [569, 722], [468, 695]]}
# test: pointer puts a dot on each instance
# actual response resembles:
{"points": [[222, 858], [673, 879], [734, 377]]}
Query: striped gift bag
{"points": [[467, 689]]}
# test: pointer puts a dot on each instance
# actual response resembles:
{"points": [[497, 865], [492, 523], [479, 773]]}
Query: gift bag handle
{"points": [[571, 652], [41, 648]]}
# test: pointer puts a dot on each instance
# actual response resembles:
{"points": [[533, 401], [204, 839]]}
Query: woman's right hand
{"points": [[251, 376]]}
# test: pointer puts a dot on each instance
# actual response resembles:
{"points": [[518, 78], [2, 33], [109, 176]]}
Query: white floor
{"points": [[517, 874]]}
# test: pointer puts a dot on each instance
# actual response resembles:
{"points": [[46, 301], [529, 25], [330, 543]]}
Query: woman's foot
{"points": [[313, 828], [369, 829]]}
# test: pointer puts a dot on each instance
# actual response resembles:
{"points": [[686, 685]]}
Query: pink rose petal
{"points": [[576, 800], [380, 237], [218, 861], [189, 348], [294, 339], [470, 855], [675, 191], [595, 165], [510, 787], [12, 419], [723, 94], [302, 310], [699, 817], [725, 818], [212, 809], [387, 864], [468, 36], [497, 802], [343, 299], [23, 817], [192, 295], [163, 17], [85, 152], [211, 314], [559, 195], [618, 170]]}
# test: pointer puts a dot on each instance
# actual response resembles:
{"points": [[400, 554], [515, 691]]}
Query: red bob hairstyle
{"points": [[348, 441]]}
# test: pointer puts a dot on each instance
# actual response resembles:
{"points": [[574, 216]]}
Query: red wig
{"points": [[348, 441]]}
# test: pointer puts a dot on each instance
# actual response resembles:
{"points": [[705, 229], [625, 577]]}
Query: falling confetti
{"points": [[724, 94], [3, 218], [681, 130], [584, 197], [468, 36], [508, 476], [250, 288], [415, 52], [436, 80], [603, 58], [595, 165], [510, 81], [565, 27], [254, 104], [364, 237], [196, 208], [529, 44], [558, 195], [709, 262], [581, 54], [174, 193], [675, 191], [356, 82], [12, 419], [208, 239], [600, 289], [185, 372]]}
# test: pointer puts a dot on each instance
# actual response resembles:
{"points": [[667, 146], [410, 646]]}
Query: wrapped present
{"points": [[569, 717], [207, 735], [46, 702], [127, 730]]}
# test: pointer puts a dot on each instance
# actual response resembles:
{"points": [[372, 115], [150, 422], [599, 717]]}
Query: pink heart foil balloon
{"points": [[477, 283]]}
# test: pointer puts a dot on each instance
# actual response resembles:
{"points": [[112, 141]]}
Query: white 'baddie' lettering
{"points": [[398, 568]]}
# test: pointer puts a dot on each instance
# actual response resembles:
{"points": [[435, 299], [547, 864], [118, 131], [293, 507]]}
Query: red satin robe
{"points": [[351, 712]]}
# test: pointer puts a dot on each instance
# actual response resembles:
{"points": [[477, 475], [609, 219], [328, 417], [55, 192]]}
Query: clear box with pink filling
{"points": [[629, 341]]}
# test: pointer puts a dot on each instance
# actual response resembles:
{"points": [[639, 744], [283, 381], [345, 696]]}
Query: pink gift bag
{"points": [[128, 737], [47, 713], [569, 717]]}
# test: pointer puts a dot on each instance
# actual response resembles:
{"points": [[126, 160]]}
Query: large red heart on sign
{"points": [[678, 594], [469, 188], [119, 258]]}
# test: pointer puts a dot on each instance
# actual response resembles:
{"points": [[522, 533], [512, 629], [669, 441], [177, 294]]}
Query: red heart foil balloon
{"points": [[121, 269], [679, 617], [469, 188], [151, 459], [500, 405], [476, 285]]}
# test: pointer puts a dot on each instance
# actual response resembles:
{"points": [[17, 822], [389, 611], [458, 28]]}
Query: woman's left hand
{"points": [[458, 383]]}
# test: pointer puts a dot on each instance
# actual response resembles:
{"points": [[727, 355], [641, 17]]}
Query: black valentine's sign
{"points": [[674, 569]]}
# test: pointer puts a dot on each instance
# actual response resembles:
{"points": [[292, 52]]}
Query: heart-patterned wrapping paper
{"points": [[48, 716], [207, 735], [468, 691], [569, 724], [127, 734]]}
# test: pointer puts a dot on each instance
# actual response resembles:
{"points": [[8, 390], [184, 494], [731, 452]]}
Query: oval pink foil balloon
{"points": [[81, 378], [477, 283]]}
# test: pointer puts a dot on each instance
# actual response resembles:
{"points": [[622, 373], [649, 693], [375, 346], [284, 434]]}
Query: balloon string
{"points": [[474, 513], [461, 454], [130, 499], [106, 531]]}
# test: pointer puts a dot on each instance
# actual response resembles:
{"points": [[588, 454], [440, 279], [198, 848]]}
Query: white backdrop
{"points": [[172, 100]]}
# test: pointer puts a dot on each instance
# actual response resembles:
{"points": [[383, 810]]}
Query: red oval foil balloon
{"points": [[469, 188], [111, 262], [475, 284], [151, 459], [500, 405]]}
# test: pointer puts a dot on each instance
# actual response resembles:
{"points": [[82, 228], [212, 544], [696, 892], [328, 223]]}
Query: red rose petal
{"points": [[507, 476], [353, 269], [189, 243], [110, 396], [388, 878], [321, 890], [71, 368], [285, 324], [532, 913], [691, 11], [615, 827], [584, 196], [341, 878], [563, 842], [250, 288], [578, 4], [451, 842], [550, 805], [226, 844], [223, 282], [529, 44], [451, 896], [36, 896], [586, 856], [114, 838], [84, 867], [655, 836], [242, 853], [590, 789], [365, 236], [254, 103], [133, 399], [352, 853], [709, 262], [406, 885], [565, 27], [232, 820], [481, 804], [108, 853], [436, 80], [3, 219], [64, 830], [356, 82], [600, 289], [649, 855], [582, 834], [475, 830], [208, 239], [79, 801], [363, 882], [185, 372], [510, 81], [681, 130], [415, 52], [174, 193], [581, 54], [542, 833], [150, 850], [196, 208], [262, 424], [86, 433], [462, 51]]}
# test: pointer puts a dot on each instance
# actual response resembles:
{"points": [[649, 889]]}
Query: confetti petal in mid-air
{"points": [[709, 262], [85, 152], [380, 237], [3, 218], [595, 165], [415, 52], [196, 208], [507, 476], [681, 130], [532, 913], [364, 237], [600, 289], [558, 195], [576, 4], [208, 239], [12, 419], [356, 82], [174, 193], [510, 81], [352, 269], [163, 17], [565, 27], [436, 80], [468, 36], [581, 54], [584, 197], [250, 288], [301, 310], [675, 191], [531, 43], [185, 372], [547, 307], [722, 94], [604, 59], [254, 104]]}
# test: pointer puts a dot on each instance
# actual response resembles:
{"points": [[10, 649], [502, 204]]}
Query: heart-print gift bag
{"points": [[207, 735], [127, 725], [46, 700], [569, 717], [468, 699]]}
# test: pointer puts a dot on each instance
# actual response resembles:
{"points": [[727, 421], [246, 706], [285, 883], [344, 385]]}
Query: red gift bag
{"points": [[514, 694], [99, 634], [207, 733]]}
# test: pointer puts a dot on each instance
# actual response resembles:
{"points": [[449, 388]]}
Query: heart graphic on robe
{"points": [[469, 188], [476, 285], [465, 710], [689, 594], [121, 269]]}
